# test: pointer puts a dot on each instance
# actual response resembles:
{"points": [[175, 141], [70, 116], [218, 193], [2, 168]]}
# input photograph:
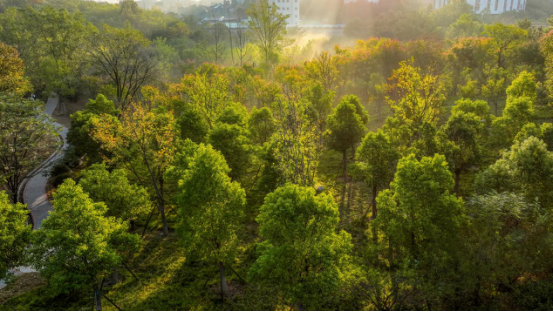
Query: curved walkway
{"points": [[34, 192]]}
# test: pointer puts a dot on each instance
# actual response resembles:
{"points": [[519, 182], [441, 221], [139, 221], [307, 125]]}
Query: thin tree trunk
{"points": [[164, 219], [224, 286], [457, 182], [373, 204], [345, 173], [115, 276], [97, 298], [345, 164]]}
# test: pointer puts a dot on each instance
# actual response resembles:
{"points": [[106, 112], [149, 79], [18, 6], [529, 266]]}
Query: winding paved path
{"points": [[34, 193]]}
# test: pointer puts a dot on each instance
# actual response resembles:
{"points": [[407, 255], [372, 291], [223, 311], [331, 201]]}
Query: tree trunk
{"points": [[162, 200], [345, 164], [457, 181], [373, 204], [224, 286], [164, 219], [115, 276], [97, 298], [345, 173]]}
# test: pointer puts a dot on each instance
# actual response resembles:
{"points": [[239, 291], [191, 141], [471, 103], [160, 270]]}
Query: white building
{"points": [[290, 8], [489, 6], [349, 1]]}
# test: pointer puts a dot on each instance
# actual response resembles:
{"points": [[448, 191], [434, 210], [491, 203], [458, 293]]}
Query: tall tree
{"points": [[301, 250], [419, 97], [508, 239], [12, 80], [53, 45], [231, 138], [504, 39], [80, 133], [261, 125], [217, 47], [376, 160], [25, 132], [421, 223], [323, 70], [77, 245], [212, 208], [14, 234], [207, 93], [124, 200], [268, 27], [346, 130], [143, 142], [295, 142], [526, 169], [461, 143], [124, 57]]}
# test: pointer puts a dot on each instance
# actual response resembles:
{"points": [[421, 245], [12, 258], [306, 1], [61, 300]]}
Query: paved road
{"points": [[34, 194]]}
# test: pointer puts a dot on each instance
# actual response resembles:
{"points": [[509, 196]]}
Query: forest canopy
{"points": [[402, 161]]}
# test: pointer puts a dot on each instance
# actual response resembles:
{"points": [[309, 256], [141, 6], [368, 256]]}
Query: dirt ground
{"points": [[63, 116]]}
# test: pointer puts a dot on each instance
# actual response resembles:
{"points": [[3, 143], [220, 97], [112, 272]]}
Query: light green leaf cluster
{"points": [[301, 250], [211, 207], [14, 234], [77, 245]]}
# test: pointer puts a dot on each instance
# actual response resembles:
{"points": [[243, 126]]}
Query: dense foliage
{"points": [[250, 168]]}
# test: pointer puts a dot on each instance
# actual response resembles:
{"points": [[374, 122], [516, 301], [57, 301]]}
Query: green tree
{"points": [[268, 28], [79, 134], [207, 93], [323, 70], [477, 107], [359, 108], [261, 125], [124, 200], [301, 250], [25, 131], [346, 130], [508, 238], [53, 45], [230, 137], [193, 125], [321, 106], [494, 89], [77, 245], [211, 209], [546, 48], [504, 39], [125, 59], [465, 26], [420, 97], [526, 169], [517, 113], [523, 86], [461, 143], [295, 142], [14, 234], [376, 160], [145, 141], [420, 223]]}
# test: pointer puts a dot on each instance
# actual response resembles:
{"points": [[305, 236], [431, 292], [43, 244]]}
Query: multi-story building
{"points": [[290, 8], [489, 6], [349, 1]]}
